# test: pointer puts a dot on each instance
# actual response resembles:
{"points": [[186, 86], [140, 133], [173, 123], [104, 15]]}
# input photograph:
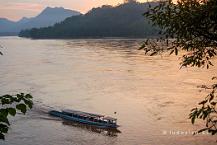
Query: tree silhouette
{"points": [[189, 26]]}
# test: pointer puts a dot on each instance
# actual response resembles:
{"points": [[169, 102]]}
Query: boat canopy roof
{"points": [[82, 113], [89, 114]]}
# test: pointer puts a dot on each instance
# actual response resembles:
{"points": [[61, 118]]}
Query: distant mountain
{"points": [[24, 20], [125, 20], [6, 25], [47, 17], [6, 21]]}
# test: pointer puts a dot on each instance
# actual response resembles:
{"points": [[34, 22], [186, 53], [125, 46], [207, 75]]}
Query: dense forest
{"points": [[125, 20]]}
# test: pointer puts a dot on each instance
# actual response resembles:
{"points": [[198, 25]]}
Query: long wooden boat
{"points": [[86, 118]]}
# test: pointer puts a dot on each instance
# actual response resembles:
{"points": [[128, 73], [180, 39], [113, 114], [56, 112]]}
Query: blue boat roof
{"points": [[82, 113]]}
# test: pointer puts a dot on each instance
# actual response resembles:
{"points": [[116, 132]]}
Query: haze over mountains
{"points": [[124, 20], [48, 17]]}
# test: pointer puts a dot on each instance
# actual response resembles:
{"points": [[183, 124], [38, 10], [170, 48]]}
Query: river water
{"points": [[151, 95]]}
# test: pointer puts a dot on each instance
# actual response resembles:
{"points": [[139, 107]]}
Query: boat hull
{"points": [[70, 118]]}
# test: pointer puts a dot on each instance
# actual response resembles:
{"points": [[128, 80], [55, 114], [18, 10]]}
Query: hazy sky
{"points": [[16, 9]]}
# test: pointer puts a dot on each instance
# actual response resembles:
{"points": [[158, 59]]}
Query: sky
{"points": [[16, 9]]}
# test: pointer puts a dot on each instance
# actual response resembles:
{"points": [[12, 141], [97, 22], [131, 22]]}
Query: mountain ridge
{"points": [[49, 16], [124, 20]]}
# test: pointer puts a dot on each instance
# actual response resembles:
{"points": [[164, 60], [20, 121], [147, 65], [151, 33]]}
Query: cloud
{"points": [[15, 10], [22, 6]]}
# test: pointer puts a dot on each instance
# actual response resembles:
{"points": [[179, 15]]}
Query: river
{"points": [[151, 95]]}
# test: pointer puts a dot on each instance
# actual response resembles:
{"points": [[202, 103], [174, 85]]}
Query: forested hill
{"points": [[125, 20]]}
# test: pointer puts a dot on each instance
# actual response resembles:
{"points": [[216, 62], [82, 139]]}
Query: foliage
{"points": [[189, 26], [207, 110], [10, 105], [124, 20]]}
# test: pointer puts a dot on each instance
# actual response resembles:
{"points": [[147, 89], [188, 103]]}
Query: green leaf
{"points": [[4, 120], [11, 111], [154, 53], [29, 103], [4, 112], [203, 102], [193, 119], [202, 130], [29, 96], [176, 51], [213, 103], [21, 107], [211, 96], [3, 128], [171, 52], [5, 101], [2, 136]]}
